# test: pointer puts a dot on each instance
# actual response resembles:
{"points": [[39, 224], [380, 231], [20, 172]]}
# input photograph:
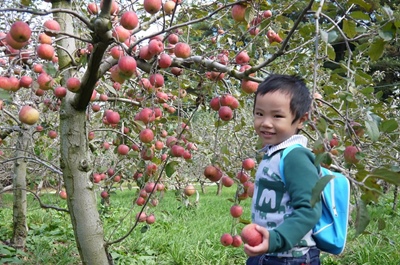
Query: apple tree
{"points": [[135, 75]]}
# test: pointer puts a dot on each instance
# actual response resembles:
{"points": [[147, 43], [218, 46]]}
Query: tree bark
{"points": [[75, 163], [19, 191], [75, 158]]}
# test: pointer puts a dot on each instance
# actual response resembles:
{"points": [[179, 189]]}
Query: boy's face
{"points": [[273, 118]]}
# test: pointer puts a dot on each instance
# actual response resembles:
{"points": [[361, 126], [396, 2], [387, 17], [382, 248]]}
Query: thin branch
{"points": [[51, 11], [155, 186], [37, 161], [284, 43], [42, 205]]}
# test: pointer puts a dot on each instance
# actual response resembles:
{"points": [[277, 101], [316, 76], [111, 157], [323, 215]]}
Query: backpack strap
{"points": [[283, 155]]}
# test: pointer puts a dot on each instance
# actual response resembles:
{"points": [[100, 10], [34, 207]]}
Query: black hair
{"points": [[293, 86]]}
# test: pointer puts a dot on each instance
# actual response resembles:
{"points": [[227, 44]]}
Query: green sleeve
{"points": [[301, 175]]}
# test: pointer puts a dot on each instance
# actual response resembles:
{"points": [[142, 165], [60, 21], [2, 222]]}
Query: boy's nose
{"points": [[266, 123]]}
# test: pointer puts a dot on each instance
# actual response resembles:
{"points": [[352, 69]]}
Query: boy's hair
{"points": [[293, 86]]}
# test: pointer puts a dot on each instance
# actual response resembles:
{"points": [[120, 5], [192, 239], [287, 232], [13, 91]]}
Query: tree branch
{"points": [[42, 205], [51, 11]]}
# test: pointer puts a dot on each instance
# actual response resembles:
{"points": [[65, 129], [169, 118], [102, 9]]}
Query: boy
{"points": [[283, 212]]}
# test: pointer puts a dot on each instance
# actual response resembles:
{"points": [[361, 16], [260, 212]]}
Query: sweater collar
{"points": [[295, 139]]}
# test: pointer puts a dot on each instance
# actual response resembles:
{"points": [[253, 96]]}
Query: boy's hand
{"points": [[261, 248]]}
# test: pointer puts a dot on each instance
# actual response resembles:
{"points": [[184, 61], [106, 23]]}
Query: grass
{"points": [[182, 234]]}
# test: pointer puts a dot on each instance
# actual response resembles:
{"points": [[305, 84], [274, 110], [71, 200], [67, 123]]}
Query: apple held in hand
{"points": [[251, 236]]}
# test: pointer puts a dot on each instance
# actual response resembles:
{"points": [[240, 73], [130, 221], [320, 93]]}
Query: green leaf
{"points": [[362, 219], [50, 69], [376, 49], [363, 4], [332, 36], [367, 90], [372, 130], [381, 224], [349, 28], [322, 125], [26, 2], [5, 95], [359, 15], [389, 126], [170, 168], [330, 51], [318, 188], [387, 175]]}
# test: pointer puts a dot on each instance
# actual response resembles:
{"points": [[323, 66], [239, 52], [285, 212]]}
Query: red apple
{"points": [[212, 173], [123, 149], [156, 46], [238, 12], [182, 50], [13, 44], [267, 14], [177, 150], [242, 176], [248, 164], [350, 153], [20, 31], [129, 20], [106, 145], [45, 81], [146, 135], [226, 239], [189, 190], [147, 115], [25, 81], [242, 58], [251, 236], [236, 241], [225, 113], [169, 7], [249, 86], [45, 51], [51, 27], [112, 117], [93, 9], [127, 65], [116, 52], [60, 92], [227, 181], [152, 6], [63, 194], [104, 194], [236, 211], [157, 80], [120, 33], [164, 61], [73, 84], [173, 38], [28, 115], [52, 134], [215, 103], [150, 219]]}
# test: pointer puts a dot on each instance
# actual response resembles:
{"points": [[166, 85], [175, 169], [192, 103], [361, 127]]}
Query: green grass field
{"points": [[182, 234]]}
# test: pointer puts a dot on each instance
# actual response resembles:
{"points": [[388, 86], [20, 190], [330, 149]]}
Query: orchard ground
{"points": [[185, 232]]}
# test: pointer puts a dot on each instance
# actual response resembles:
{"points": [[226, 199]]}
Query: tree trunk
{"points": [[19, 191], [75, 163], [75, 159]]}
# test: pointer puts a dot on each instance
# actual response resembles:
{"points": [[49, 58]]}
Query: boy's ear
{"points": [[302, 120]]}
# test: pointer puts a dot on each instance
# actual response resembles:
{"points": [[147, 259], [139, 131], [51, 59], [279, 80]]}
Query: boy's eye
{"points": [[278, 116], [258, 113]]}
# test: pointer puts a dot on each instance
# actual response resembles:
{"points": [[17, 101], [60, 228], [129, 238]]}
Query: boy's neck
{"points": [[295, 139]]}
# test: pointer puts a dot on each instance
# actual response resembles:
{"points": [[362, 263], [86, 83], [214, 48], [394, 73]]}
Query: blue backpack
{"points": [[331, 230]]}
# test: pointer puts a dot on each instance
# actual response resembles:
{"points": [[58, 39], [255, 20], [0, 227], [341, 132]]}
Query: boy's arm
{"points": [[301, 175]]}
